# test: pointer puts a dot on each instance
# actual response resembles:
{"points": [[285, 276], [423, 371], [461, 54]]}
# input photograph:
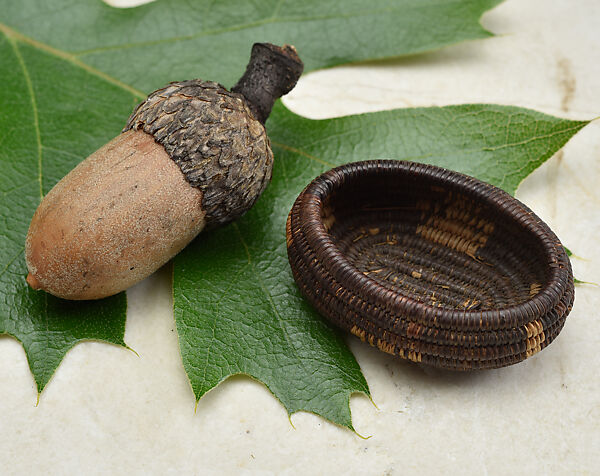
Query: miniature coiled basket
{"points": [[429, 264]]}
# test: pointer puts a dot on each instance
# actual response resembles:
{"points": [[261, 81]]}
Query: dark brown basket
{"points": [[429, 264]]}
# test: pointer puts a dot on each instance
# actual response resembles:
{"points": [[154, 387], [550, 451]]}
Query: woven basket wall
{"points": [[428, 264]]}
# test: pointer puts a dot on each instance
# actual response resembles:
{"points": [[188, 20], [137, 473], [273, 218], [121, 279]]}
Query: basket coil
{"points": [[429, 264]]}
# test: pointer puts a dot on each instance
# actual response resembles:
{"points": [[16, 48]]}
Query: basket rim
{"points": [[342, 269]]}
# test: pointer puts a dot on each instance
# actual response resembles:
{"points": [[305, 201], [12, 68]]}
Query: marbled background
{"points": [[106, 411]]}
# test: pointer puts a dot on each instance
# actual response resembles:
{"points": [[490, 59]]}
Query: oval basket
{"points": [[429, 264]]}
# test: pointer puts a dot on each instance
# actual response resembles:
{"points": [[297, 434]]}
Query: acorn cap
{"points": [[217, 137], [216, 141]]}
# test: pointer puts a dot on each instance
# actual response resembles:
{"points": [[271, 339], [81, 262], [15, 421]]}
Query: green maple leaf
{"points": [[237, 308], [71, 73], [48, 123]]}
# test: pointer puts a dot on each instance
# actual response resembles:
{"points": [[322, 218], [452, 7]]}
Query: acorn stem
{"points": [[272, 72]]}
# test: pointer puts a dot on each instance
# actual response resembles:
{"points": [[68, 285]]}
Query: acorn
{"points": [[192, 156]]}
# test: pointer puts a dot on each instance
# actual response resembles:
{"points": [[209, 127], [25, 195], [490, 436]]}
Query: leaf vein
{"points": [[267, 295], [303, 153], [36, 122], [228, 29], [535, 138], [215, 315], [69, 57], [11, 261]]}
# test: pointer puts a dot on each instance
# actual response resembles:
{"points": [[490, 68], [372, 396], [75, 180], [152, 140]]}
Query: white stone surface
{"points": [[107, 411]]}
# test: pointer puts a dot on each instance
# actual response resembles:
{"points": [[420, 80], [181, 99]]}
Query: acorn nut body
{"points": [[192, 155], [111, 222]]}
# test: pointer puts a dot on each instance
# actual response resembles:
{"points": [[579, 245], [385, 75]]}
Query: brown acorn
{"points": [[192, 155]]}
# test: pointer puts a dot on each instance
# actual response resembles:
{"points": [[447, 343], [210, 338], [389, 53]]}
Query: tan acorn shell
{"points": [[117, 217]]}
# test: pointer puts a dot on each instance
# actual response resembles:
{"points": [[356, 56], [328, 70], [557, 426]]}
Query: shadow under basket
{"points": [[429, 264]]}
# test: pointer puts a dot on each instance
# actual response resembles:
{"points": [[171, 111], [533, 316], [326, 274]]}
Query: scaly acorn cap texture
{"points": [[217, 137], [214, 138], [192, 155]]}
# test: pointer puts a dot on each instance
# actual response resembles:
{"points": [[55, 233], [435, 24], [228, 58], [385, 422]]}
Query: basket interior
{"points": [[439, 245]]}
